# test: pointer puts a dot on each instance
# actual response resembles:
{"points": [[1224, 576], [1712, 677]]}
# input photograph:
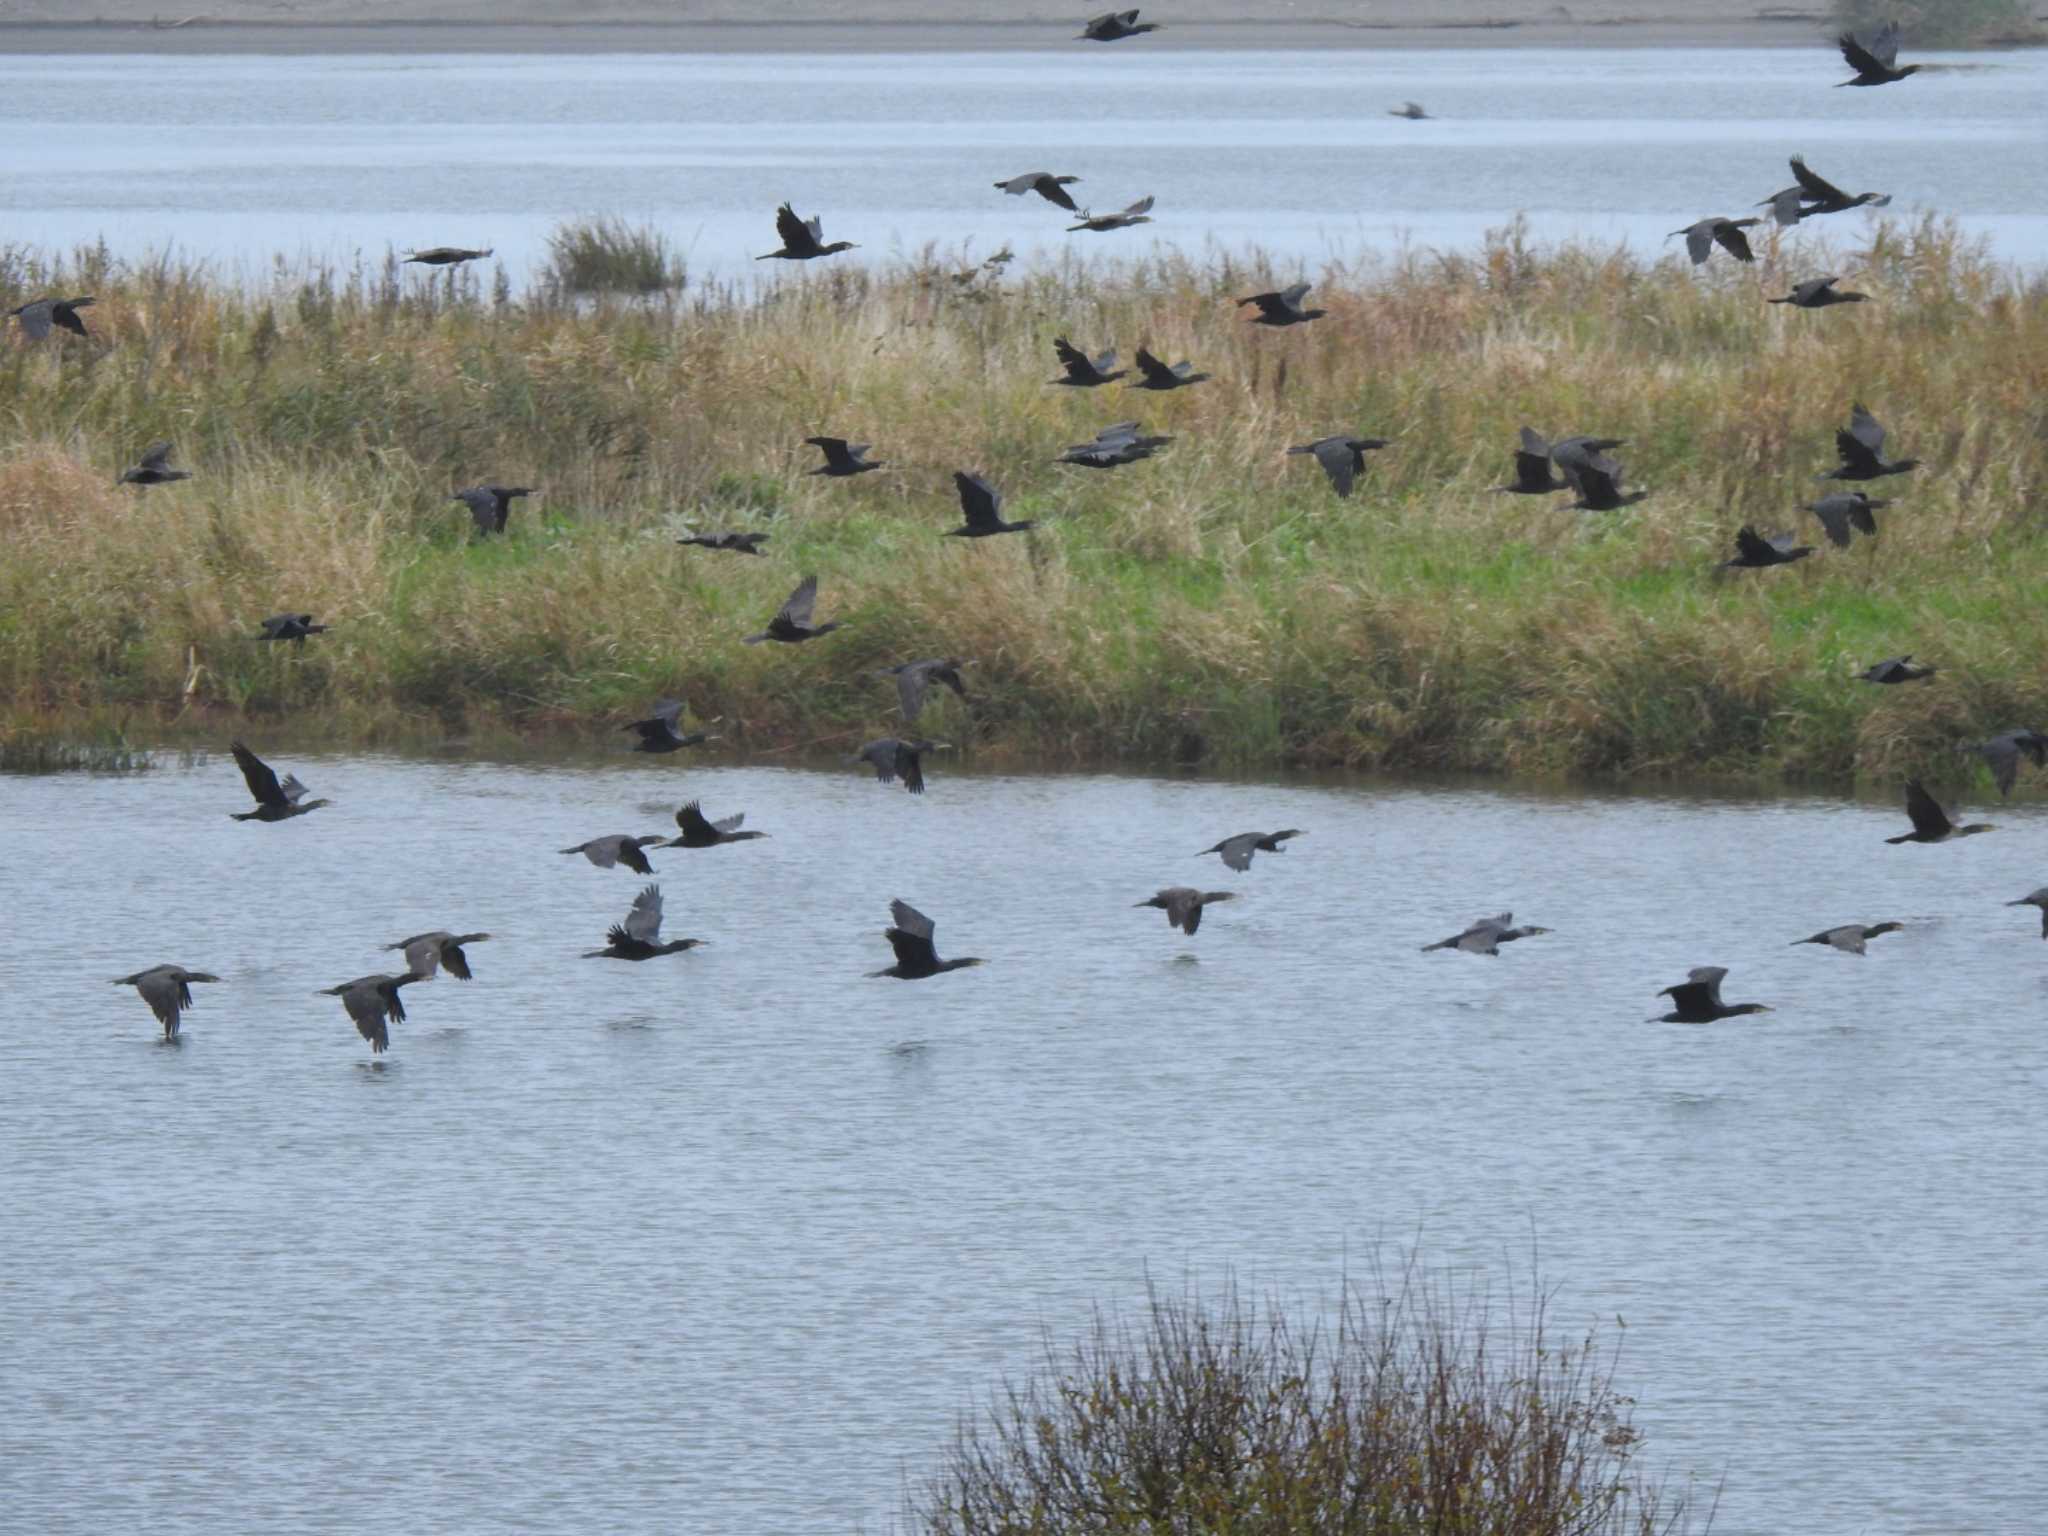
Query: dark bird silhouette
{"points": [[1861, 447], [1082, 371], [426, 953], [738, 543], [1048, 186], [168, 991], [1115, 26], [274, 801], [38, 315], [1486, 935], [445, 256], [2037, 898], [1183, 905], [893, 759], [155, 468], [1845, 514], [1158, 375], [1931, 824], [618, 848], [1594, 475], [639, 936], [2003, 751], [982, 505], [1703, 236], [1139, 212], [662, 731], [802, 239], [1697, 999], [1282, 308], [1411, 110], [701, 833], [490, 505], [1850, 937], [1126, 442], [1237, 851], [1896, 669], [911, 938], [373, 1002], [1342, 458], [1876, 64], [1532, 468], [914, 678], [1812, 194], [792, 622], [1818, 293], [1753, 551], [842, 458], [291, 626]]}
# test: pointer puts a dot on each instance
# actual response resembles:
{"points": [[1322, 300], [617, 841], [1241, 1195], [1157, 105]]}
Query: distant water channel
{"points": [[323, 158], [723, 1241]]}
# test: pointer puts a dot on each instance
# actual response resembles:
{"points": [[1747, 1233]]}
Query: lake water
{"points": [[722, 1242], [321, 158]]}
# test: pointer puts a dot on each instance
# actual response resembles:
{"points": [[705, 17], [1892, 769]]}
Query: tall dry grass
{"points": [[1216, 599]]}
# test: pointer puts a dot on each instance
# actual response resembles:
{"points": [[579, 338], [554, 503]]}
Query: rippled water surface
{"points": [[723, 1241], [238, 158]]}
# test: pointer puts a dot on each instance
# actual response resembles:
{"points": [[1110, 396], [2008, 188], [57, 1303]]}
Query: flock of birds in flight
{"points": [[1582, 465]]}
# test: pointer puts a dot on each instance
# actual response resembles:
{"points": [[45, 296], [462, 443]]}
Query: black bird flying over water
{"points": [[2003, 751], [698, 832], [1183, 905], [1697, 999], [1876, 64], [639, 936], [1237, 851], [911, 938], [1486, 935], [802, 239], [1850, 937], [1048, 186], [373, 1002], [662, 731], [426, 953], [1115, 26], [618, 848], [274, 801], [894, 759], [914, 678], [1812, 194], [445, 256], [168, 991], [1931, 824]]}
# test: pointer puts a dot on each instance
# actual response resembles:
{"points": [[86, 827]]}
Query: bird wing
{"points": [[156, 456], [1290, 298], [1237, 851], [1867, 430], [483, 506], [1886, 45], [798, 606], [1699, 241], [911, 766], [423, 954], [1925, 811], [1142, 205], [259, 776], [1154, 370], [1734, 242], [1340, 462], [981, 502], [1708, 976], [35, 318], [1752, 547], [1862, 516], [730, 823], [910, 920], [883, 755], [1786, 207], [1104, 363], [911, 681], [1690, 997], [1047, 186], [913, 951], [1072, 359], [1833, 513], [1816, 186], [692, 820], [794, 232], [815, 228], [2003, 754], [643, 920], [834, 449], [164, 992], [1859, 58]]}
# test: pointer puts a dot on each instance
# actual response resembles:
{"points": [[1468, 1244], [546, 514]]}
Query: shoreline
{"points": [[851, 36]]}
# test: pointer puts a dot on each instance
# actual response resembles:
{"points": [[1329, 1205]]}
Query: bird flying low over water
{"points": [[168, 991], [1183, 905], [1697, 999], [792, 622], [1878, 63], [1850, 937], [911, 938], [275, 801], [982, 505], [373, 1002], [1845, 514], [1342, 458], [1115, 26], [154, 468], [1932, 824], [1411, 110], [2035, 898], [1158, 375], [894, 759], [1861, 448], [1701, 238], [38, 315], [1048, 186], [914, 678], [445, 256], [701, 833], [802, 239], [491, 505], [1282, 308], [1139, 212], [618, 848], [662, 731], [2003, 751], [639, 936], [1082, 371], [1819, 293], [1895, 669], [842, 458], [290, 626], [426, 953], [738, 543], [1753, 551], [1237, 851], [1486, 935]]}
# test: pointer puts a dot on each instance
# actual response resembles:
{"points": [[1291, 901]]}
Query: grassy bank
{"points": [[1215, 600]]}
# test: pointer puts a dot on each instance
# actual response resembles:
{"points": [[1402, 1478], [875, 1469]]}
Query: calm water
{"points": [[723, 1241], [324, 157]]}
